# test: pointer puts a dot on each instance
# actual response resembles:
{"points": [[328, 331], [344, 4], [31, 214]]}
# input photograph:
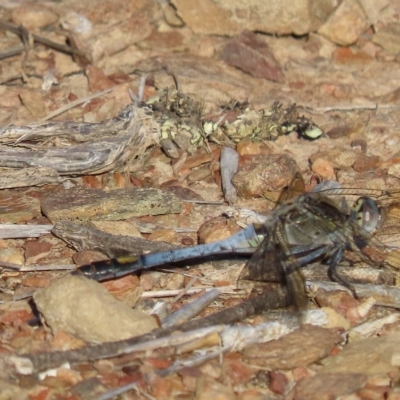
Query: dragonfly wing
{"points": [[294, 279], [264, 265], [274, 262]]}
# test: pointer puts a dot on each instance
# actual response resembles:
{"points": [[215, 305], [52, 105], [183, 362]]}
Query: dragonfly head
{"points": [[368, 215]]}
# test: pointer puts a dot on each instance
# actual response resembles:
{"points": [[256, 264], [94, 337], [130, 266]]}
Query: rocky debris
{"points": [[326, 385], [212, 17], [259, 174], [388, 38], [85, 309], [372, 356], [346, 24], [251, 54], [299, 348], [34, 16], [18, 207]]}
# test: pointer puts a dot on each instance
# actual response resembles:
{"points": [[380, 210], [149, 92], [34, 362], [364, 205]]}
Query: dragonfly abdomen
{"points": [[243, 241]]}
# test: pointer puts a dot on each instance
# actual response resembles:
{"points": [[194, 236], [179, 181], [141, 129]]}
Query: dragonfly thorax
{"points": [[299, 221]]}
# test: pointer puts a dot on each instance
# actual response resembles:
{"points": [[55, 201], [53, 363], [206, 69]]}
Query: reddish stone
{"points": [[97, 79], [300, 373], [128, 282], [374, 392], [87, 257], [119, 180], [187, 241], [236, 369], [247, 146], [119, 77], [251, 54], [221, 283], [16, 207], [323, 168], [366, 163], [43, 394], [72, 96], [158, 363], [297, 85], [36, 281], [346, 55], [16, 317], [217, 229], [278, 382], [55, 383], [61, 340], [161, 388], [109, 379], [339, 300], [92, 181], [164, 235], [37, 250], [4, 351], [196, 160], [164, 41], [135, 181]]}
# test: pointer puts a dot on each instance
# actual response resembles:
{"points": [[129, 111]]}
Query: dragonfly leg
{"points": [[333, 261]]}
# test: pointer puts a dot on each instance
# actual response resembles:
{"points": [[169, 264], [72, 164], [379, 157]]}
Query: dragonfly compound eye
{"points": [[368, 214]]}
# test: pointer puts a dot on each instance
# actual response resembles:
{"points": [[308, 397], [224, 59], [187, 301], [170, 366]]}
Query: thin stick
{"points": [[75, 103], [176, 292], [12, 51], [57, 46], [190, 310]]}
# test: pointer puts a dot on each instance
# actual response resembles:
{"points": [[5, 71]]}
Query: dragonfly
{"points": [[303, 228]]}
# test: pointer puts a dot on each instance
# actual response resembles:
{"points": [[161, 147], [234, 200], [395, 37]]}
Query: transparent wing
{"points": [[274, 262]]}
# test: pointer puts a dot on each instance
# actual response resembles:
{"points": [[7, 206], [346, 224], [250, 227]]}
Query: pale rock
{"points": [[389, 38], [335, 320], [33, 16], [323, 168], [372, 8], [65, 64], [106, 43], [371, 356], [346, 24], [85, 309], [34, 102], [12, 255], [117, 228], [394, 170], [75, 22], [232, 17]]}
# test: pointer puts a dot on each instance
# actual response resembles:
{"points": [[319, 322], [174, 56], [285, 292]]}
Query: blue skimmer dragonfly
{"points": [[303, 228]]}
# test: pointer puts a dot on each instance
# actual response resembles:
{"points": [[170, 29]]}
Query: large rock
{"points": [[346, 24], [85, 309], [223, 17]]}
